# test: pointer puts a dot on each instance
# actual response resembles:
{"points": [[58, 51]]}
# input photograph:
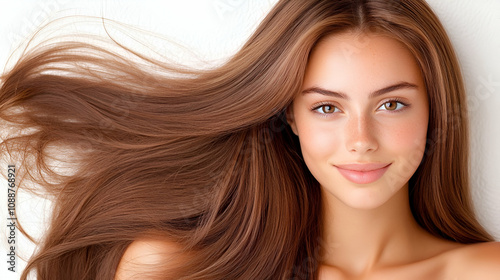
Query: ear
{"points": [[290, 119]]}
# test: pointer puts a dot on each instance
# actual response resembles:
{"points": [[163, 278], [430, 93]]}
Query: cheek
{"points": [[406, 143], [319, 141], [407, 137], [406, 133]]}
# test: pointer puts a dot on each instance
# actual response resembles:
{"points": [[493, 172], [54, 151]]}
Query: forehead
{"points": [[355, 61]]}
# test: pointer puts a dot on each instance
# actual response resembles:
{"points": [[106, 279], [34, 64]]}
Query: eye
{"points": [[393, 105], [326, 109]]}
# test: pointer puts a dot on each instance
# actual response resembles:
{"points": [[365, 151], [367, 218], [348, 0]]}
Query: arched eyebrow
{"points": [[402, 85]]}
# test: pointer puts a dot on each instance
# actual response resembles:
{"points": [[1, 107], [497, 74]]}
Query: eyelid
{"points": [[324, 103], [318, 105], [397, 100]]}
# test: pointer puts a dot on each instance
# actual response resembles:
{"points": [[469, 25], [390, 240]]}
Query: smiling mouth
{"points": [[363, 173]]}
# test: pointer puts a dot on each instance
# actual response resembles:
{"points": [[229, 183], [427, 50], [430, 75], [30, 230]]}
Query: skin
{"points": [[145, 254], [369, 231]]}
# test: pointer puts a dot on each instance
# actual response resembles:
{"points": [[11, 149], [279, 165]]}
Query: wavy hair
{"points": [[205, 158]]}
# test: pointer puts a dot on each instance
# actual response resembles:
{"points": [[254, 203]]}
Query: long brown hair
{"points": [[205, 158]]}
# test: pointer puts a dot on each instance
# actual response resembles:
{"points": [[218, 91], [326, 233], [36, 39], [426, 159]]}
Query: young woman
{"points": [[333, 145]]}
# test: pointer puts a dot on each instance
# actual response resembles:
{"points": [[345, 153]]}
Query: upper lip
{"points": [[362, 166]]}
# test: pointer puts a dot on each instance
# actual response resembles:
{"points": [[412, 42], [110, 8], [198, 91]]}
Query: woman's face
{"points": [[361, 118]]}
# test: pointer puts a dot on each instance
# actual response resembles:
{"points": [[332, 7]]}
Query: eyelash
{"points": [[397, 100]]}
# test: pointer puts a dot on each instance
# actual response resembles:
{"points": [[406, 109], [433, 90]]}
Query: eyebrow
{"points": [[402, 85]]}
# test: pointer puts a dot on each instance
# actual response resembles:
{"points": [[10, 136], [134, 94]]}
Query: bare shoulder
{"points": [[477, 261], [143, 255]]}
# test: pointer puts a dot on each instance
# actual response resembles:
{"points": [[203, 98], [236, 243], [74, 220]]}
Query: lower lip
{"points": [[363, 177]]}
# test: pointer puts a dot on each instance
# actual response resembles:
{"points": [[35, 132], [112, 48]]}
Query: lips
{"points": [[363, 173]]}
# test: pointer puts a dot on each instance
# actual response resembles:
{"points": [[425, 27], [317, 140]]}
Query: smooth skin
{"points": [[370, 233], [364, 101]]}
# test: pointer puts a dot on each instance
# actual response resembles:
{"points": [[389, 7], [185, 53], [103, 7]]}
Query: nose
{"points": [[360, 135]]}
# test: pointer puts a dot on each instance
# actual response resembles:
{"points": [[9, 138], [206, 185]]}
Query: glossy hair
{"points": [[205, 158]]}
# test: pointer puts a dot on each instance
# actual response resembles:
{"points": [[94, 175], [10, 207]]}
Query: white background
{"points": [[214, 29]]}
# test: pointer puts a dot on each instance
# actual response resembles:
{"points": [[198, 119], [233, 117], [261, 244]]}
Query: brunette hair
{"points": [[205, 158]]}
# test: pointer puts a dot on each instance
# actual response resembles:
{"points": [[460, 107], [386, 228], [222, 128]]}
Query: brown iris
{"points": [[391, 105], [328, 109]]}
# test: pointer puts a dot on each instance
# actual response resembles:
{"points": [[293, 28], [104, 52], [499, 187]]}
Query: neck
{"points": [[358, 241]]}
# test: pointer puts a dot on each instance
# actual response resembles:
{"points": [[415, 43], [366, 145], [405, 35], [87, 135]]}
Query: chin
{"points": [[363, 198], [365, 203]]}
